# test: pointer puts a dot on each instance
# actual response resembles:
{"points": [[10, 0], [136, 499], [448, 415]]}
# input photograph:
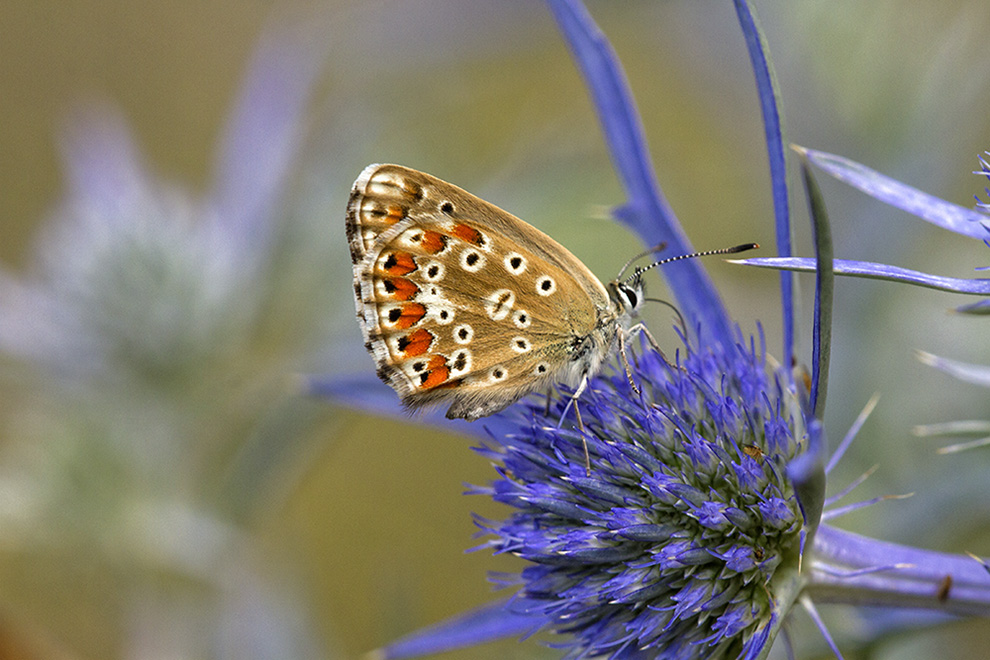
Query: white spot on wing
{"points": [[460, 362], [521, 344], [441, 314], [472, 260], [545, 285], [515, 263], [497, 374], [463, 334], [499, 304], [433, 271]]}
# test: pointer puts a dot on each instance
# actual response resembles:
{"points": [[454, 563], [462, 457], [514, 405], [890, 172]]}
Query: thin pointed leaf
{"points": [[809, 607], [980, 308], [807, 473], [852, 432], [856, 506], [484, 624], [900, 195], [769, 93], [646, 211], [853, 485], [964, 446], [977, 374], [951, 429], [875, 271], [824, 287]]}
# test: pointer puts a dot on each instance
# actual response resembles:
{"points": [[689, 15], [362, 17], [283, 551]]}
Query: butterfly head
{"points": [[628, 295]]}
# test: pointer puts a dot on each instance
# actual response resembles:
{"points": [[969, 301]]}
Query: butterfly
{"points": [[463, 304]]}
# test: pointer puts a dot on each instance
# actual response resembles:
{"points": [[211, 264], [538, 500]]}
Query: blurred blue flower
{"points": [[135, 337], [134, 274]]}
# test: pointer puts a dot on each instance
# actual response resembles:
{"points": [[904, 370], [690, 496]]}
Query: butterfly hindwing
{"points": [[459, 301]]}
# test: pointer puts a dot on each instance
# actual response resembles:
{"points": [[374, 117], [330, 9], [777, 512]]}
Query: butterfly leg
{"points": [[640, 328], [577, 413], [584, 442], [625, 359]]}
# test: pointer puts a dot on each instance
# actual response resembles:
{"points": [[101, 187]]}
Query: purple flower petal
{"points": [[264, 133], [769, 94], [485, 624], [900, 195], [646, 211], [103, 166], [871, 270], [918, 580]]}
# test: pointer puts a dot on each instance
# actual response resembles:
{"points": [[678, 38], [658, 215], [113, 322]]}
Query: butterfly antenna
{"points": [[662, 245], [707, 253]]}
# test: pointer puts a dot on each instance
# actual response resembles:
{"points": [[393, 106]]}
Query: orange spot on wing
{"points": [[394, 213], [465, 233], [400, 288], [411, 314], [433, 242], [399, 263], [437, 373], [416, 342]]}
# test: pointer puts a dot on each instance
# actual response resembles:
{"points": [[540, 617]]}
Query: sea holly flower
{"points": [[687, 531], [699, 524]]}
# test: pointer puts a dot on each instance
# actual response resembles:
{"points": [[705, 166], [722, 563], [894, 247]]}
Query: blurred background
{"points": [[173, 179]]}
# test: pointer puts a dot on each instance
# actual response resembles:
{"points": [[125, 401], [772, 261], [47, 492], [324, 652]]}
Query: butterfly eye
{"points": [[630, 295]]}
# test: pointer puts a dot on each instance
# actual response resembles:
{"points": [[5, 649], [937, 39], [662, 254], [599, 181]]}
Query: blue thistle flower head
{"points": [[673, 541]]}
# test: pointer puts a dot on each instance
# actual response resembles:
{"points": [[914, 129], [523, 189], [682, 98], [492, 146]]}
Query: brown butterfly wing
{"points": [[459, 301]]}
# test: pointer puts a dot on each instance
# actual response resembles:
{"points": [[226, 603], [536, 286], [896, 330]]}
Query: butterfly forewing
{"points": [[459, 301]]}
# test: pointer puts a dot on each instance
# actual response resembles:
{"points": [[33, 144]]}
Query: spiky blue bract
{"points": [[672, 546], [939, 212]]}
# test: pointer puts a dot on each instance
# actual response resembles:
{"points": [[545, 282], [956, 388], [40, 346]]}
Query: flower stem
{"points": [[840, 573]]}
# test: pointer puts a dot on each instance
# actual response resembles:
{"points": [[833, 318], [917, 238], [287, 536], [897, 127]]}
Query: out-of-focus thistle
{"points": [[137, 347]]}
